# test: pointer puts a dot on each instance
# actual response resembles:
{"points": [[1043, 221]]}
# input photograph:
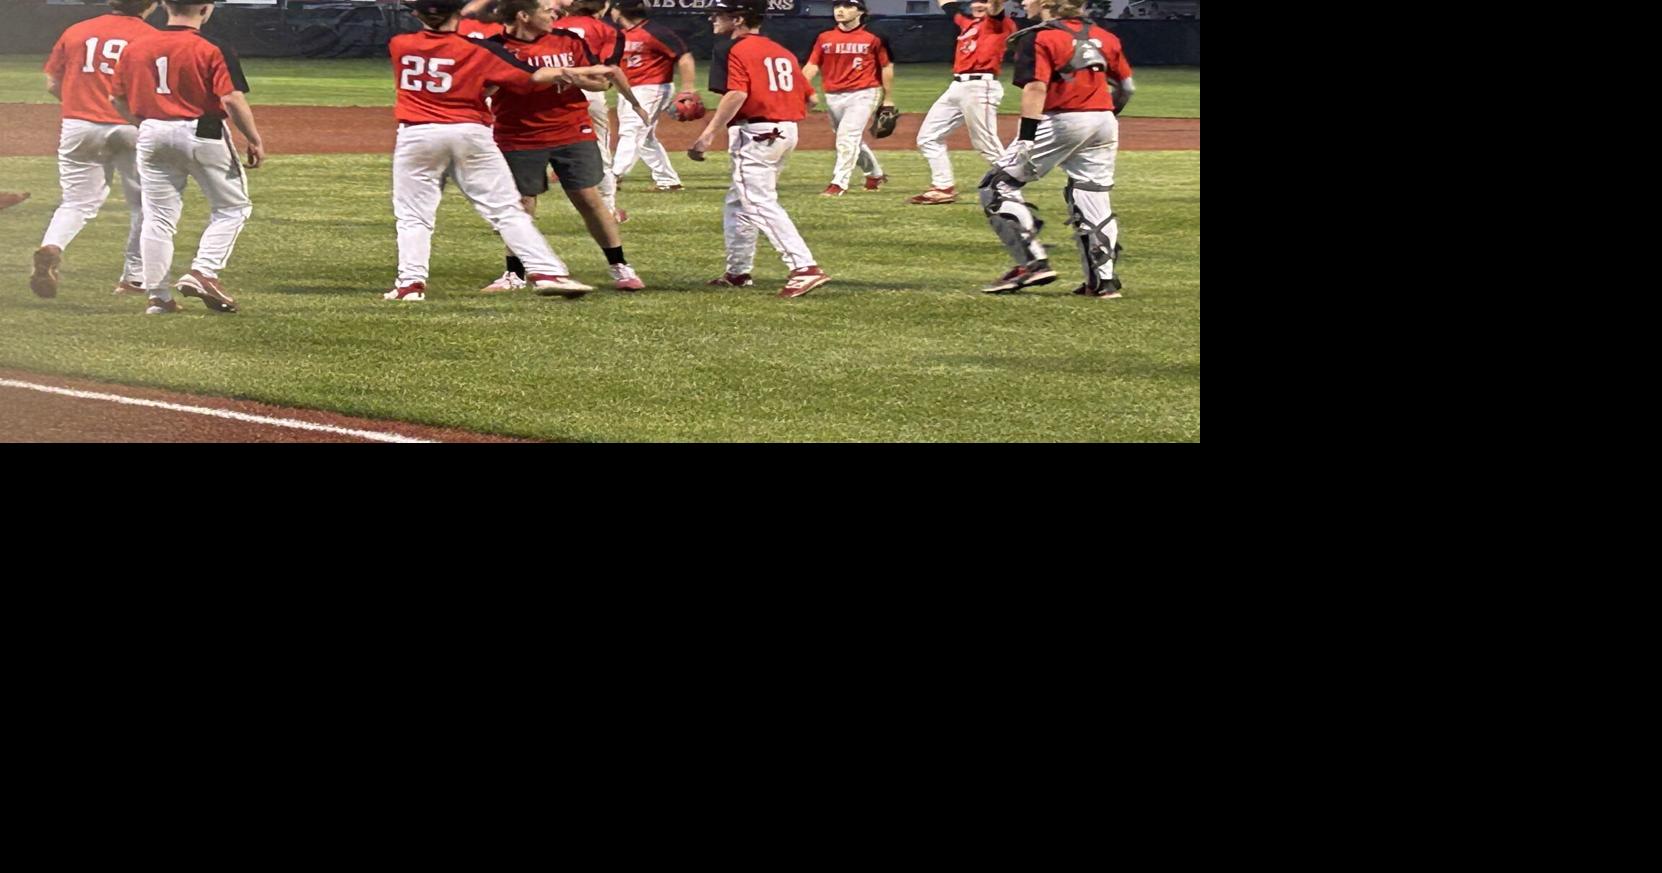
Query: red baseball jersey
{"points": [[84, 60], [1047, 50], [980, 40], [177, 74], [442, 77], [605, 41], [650, 51], [473, 28], [849, 60], [551, 116], [769, 75]]}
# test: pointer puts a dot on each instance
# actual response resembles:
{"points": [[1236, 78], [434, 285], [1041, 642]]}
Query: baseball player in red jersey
{"points": [[480, 20], [179, 87], [764, 95], [973, 97], [850, 59], [653, 55], [444, 127], [551, 128], [94, 141], [606, 41], [1066, 67]]}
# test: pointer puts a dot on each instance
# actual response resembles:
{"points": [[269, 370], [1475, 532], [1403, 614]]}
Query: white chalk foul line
{"points": [[216, 413]]}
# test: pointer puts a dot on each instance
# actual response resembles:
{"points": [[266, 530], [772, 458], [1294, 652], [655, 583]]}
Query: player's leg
{"points": [[580, 169], [420, 163], [652, 151], [483, 175], [82, 178], [942, 119], [1090, 172], [979, 103], [123, 149], [163, 153]]}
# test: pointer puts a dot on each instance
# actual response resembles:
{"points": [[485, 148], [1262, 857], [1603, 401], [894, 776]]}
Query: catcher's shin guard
{"points": [[1098, 239], [1010, 217]]}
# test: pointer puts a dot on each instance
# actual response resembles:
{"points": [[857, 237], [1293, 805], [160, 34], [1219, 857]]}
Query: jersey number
{"points": [[161, 76], [414, 65], [112, 50], [779, 73]]}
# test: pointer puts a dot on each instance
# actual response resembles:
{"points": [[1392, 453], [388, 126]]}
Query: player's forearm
{"points": [[888, 85], [1122, 91], [120, 104], [242, 117], [687, 69], [726, 109], [809, 71], [1033, 99], [54, 87]]}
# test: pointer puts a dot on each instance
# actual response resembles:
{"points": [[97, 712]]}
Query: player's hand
{"points": [[701, 145], [641, 111], [813, 101], [256, 154]]}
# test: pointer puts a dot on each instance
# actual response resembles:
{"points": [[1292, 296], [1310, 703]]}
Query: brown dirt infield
{"points": [[32, 129], [28, 416]]}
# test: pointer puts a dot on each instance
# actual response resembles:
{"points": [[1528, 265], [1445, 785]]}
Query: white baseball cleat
{"points": [[508, 282], [565, 286], [624, 278]]}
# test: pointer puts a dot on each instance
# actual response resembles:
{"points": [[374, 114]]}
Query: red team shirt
{"points": [[768, 73], [1038, 59], [177, 74], [442, 77], [552, 116], [849, 60], [650, 51], [980, 40], [84, 62], [475, 29], [605, 41]]}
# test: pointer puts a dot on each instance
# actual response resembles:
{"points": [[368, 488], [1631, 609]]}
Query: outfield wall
{"points": [[363, 31]]}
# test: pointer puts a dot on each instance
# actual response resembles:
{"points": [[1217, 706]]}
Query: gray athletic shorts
{"points": [[578, 165]]}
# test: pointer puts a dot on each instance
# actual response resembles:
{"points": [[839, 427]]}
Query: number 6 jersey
{"points": [[84, 61], [442, 77]]}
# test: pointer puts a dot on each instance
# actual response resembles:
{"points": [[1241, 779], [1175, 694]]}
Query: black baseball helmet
{"points": [[859, 4], [754, 7], [632, 8], [435, 7]]}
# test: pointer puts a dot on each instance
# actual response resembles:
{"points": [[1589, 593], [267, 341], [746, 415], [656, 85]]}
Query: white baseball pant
{"points": [[972, 103], [753, 202], [850, 112], [89, 153], [169, 154], [637, 140], [468, 152], [601, 118], [1085, 145]]}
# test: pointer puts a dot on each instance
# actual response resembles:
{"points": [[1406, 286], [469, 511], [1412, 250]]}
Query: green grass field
{"points": [[900, 347], [1163, 92]]}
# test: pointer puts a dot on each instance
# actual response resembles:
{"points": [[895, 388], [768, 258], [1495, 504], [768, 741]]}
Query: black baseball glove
{"points": [[884, 121]]}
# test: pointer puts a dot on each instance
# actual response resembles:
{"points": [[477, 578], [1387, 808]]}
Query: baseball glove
{"points": [[688, 106], [883, 122]]}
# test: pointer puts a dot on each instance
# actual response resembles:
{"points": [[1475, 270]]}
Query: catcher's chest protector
{"points": [[1086, 55]]}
